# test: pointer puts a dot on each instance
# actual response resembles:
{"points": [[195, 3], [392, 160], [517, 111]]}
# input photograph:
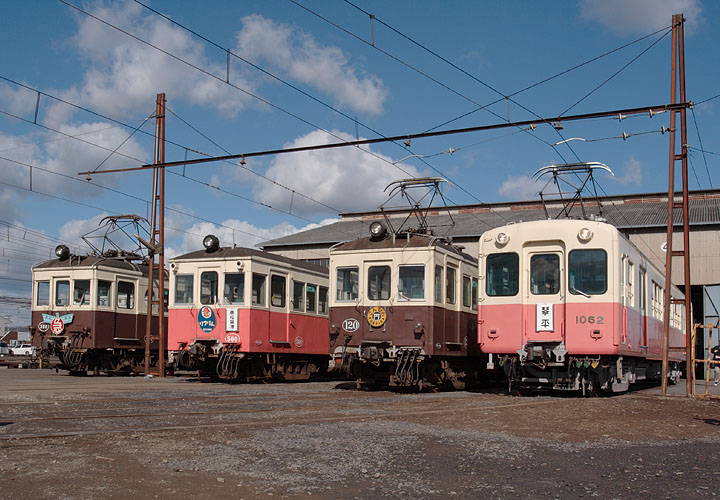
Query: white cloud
{"points": [[519, 187], [289, 51], [640, 16], [347, 178], [631, 173]]}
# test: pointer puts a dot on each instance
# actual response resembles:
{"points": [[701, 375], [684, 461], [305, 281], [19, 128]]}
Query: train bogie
{"points": [[572, 304], [244, 314]]}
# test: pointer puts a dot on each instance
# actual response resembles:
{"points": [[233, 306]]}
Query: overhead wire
{"points": [[697, 129]]}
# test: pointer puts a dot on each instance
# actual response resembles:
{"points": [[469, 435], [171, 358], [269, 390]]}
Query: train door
{"points": [[544, 295], [378, 293], [278, 319], [643, 308], [623, 299]]}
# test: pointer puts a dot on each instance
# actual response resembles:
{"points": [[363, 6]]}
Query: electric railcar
{"points": [[403, 311], [573, 305], [245, 314], [91, 311]]}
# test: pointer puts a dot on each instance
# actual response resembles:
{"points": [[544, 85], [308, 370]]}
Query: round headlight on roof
{"points": [[585, 235], [211, 243], [62, 252], [502, 238], [377, 230]]}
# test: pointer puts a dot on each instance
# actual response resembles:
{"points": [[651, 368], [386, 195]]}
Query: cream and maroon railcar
{"points": [[91, 311], [573, 304], [245, 314], [403, 311]]}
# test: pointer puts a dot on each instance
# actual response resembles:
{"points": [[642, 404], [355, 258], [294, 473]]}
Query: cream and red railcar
{"points": [[573, 304], [91, 311], [245, 314], [403, 311]]}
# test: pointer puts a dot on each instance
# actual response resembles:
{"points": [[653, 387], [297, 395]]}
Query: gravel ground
{"points": [[101, 437]]}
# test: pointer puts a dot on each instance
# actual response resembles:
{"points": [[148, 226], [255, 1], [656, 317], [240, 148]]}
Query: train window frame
{"points": [[129, 299], [438, 282], [508, 274], [189, 294], [81, 299], [59, 294], [467, 291], [402, 296], [282, 296], [384, 282], [108, 298], [323, 305], [451, 284], [574, 290], [298, 300], [311, 296], [45, 301], [354, 292], [238, 289], [257, 297], [211, 298], [540, 288], [475, 293]]}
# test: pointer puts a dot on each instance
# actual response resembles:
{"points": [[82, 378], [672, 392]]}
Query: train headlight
{"points": [[377, 230], [502, 239], [211, 242], [62, 252], [585, 235]]}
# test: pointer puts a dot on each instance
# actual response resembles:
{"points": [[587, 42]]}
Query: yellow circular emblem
{"points": [[376, 316]]}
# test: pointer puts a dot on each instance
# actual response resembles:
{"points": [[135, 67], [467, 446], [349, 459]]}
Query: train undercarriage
{"points": [[229, 363], [548, 366], [374, 366]]}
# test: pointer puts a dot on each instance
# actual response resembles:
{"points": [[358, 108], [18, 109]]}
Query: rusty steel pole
{"points": [[677, 73], [160, 148]]}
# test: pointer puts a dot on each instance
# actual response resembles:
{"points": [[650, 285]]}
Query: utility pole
{"points": [[677, 74], [157, 243]]}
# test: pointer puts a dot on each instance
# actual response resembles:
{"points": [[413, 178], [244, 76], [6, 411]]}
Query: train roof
{"points": [[400, 242], [92, 261], [229, 253]]}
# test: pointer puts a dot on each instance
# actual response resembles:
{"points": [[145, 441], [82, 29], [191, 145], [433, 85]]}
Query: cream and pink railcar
{"points": [[245, 314], [403, 311], [572, 304]]}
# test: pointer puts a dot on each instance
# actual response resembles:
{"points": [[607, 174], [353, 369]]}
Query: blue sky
{"points": [[318, 78]]}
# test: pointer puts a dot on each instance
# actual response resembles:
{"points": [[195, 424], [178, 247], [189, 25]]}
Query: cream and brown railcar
{"points": [[403, 311], [573, 304], [92, 312]]}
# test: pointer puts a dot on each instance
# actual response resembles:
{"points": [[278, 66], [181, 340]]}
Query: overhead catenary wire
{"points": [[697, 129]]}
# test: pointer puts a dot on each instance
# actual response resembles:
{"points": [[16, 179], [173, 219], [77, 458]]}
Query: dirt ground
{"points": [[65, 437]]}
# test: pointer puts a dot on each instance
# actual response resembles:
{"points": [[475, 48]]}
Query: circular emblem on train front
{"points": [[376, 316], [57, 326], [351, 325], [299, 341], [206, 319], [43, 327]]}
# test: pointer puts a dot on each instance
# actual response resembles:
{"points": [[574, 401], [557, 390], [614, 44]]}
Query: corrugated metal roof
{"points": [[634, 211], [238, 252]]}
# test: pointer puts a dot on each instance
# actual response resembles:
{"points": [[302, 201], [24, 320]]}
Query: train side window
{"points": [[62, 293], [234, 289], [184, 289], [467, 291], [43, 293], [587, 272], [81, 292], [323, 300], [438, 283], [474, 294], [298, 292], [126, 295], [412, 283], [450, 287], [378, 282], [545, 274], [502, 274], [208, 287], [258, 289], [277, 291], [347, 283], [310, 298], [104, 294]]}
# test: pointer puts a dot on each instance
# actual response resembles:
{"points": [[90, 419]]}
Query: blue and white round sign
{"points": [[206, 319]]}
